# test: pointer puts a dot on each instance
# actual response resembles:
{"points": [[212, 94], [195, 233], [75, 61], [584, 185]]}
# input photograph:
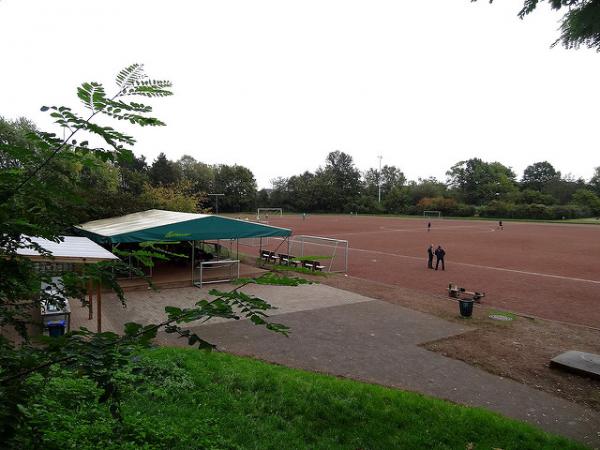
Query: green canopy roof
{"points": [[159, 225]]}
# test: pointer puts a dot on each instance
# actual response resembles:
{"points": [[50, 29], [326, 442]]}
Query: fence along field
{"points": [[546, 270]]}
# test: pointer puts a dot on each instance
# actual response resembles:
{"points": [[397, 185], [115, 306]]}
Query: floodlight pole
{"points": [[216, 196], [379, 180]]}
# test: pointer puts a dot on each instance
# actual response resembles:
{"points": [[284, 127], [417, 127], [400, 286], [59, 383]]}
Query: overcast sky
{"points": [[276, 85]]}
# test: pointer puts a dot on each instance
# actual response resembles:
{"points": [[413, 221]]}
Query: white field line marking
{"points": [[502, 269], [394, 230]]}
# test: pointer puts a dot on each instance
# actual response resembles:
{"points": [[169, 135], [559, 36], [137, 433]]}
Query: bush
{"points": [[499, 209], [443, 204], [463, 210], [64, 413]]}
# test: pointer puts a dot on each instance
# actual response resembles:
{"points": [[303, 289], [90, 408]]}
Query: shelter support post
{"points": [[99, 304], [90, 301]]}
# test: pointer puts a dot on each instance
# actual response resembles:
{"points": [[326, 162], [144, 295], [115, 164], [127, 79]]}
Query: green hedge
{"points": [[499, 209]]}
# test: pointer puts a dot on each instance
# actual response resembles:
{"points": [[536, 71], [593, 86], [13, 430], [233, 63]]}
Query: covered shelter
{"points": [[170, 226], [65, 255]]}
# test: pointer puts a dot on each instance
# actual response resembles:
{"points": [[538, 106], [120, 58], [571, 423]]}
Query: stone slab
{"points": [[582, 363]]}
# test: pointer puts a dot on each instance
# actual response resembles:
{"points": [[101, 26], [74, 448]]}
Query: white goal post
{"points": [[432, 214], [331, 253], [264, 213]]}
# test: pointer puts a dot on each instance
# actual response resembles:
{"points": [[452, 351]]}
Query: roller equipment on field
{"points": [[457, 292]]}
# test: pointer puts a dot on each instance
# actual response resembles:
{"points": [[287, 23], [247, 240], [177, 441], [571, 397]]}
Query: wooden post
{"points": [[90, 301], [99, 310]]}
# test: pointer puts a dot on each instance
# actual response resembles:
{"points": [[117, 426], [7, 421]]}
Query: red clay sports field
{"points": [[542, 269]]}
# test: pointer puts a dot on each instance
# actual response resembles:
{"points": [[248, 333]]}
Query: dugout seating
{"points": [[312, 265], [268, 256], [287, 260]]}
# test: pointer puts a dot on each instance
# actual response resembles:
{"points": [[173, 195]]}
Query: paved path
{"points": [[377, 342], [349, 335]]}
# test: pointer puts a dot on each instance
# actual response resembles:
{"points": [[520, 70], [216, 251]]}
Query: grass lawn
{"points": [[225, 401]]}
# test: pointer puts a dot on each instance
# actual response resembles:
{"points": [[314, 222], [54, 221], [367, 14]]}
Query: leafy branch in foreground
{"points": [[45, 208], [579, 26], [131, 81]]}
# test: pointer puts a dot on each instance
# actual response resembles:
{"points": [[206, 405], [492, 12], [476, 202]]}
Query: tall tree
{"points": [[14, 133], [238, 185], [595, 181], [479, 182], [390, 178], [199, 174], [164, 172], [338, 182], [562, 189], [537, 175]]}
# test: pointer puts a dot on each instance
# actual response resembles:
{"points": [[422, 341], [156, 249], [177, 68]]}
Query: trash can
{"points": [[56, 329], [466, 307]]}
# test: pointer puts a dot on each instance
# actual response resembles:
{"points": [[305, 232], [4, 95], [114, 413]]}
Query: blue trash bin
{"points": [[56, 329]]}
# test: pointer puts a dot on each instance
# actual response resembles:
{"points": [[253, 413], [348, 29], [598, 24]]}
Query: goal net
{"points": [[432, 214], [330, 253], [264, 213]]}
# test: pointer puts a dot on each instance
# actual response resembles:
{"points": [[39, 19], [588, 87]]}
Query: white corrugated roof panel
{"points": [[137, 221], [72, 248]]}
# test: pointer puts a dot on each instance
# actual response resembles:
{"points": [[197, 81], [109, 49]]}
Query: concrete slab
{"points": [[581, 363], [148, 306]]}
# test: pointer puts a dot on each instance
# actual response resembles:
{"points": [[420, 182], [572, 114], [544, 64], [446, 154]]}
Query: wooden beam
{"points": [[90, 301]]}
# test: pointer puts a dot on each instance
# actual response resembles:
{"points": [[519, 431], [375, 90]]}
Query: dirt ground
{"points": [[542, 269], [520, 349]]}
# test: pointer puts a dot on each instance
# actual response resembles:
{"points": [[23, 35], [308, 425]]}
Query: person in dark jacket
{"points": [[430, 257], [439, 255]]}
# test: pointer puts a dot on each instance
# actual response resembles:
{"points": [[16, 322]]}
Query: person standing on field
{"points": [[428, 226], [430, 257], [440, 253]]}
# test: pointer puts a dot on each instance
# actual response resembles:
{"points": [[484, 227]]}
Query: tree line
{"points": [[473, 187]]}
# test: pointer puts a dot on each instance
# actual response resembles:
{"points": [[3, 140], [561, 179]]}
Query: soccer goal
{"points": [[265, 213], [432, 214], [331, 253]]}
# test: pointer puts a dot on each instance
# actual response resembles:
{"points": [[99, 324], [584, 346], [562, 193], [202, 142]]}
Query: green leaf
{"points": [[130, 74], [173, 311], [257, 320], [132, 328]]}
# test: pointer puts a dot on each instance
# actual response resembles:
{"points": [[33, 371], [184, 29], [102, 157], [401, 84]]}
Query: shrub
{"points": [[65, 412]]}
